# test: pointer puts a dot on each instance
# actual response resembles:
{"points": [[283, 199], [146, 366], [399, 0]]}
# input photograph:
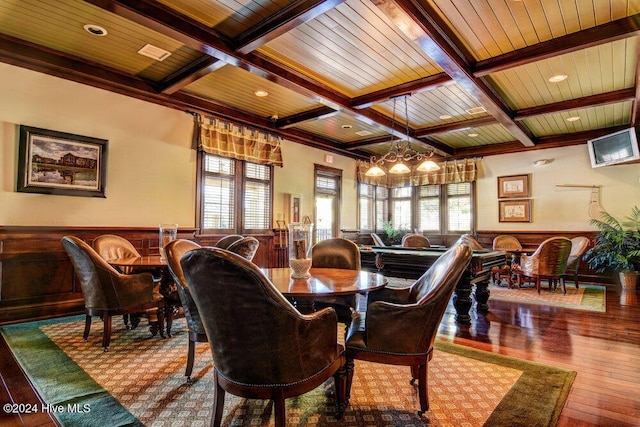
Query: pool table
{"points": [[411, 263]]}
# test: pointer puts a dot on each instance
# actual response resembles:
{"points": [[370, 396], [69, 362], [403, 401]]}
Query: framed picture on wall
{"points": [[295, 207], [514, 210], [52, 162], [514, 186]]}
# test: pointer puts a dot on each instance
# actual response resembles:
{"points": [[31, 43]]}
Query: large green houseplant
{"points": [[617, 246]]}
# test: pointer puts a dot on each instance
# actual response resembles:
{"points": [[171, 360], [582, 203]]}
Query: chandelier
{"points": [[401, 152]]}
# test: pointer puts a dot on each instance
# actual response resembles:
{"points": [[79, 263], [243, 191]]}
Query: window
{"points": [[433, 208], [235, 196], [328, 182]]}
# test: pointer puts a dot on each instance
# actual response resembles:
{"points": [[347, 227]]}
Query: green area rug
{"points": [[586, 297], [140, 381]]}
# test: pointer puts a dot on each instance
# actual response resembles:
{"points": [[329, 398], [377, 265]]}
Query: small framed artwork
{"points": [[514, 210], [52, 162], [295, 207], [514, 186]]}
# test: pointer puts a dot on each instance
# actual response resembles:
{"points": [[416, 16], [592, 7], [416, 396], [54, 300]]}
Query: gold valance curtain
{"points": [[216, 136], [451, 172]]}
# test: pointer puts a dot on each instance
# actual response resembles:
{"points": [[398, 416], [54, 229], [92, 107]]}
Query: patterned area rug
{"points": [[140, 381], [586, 297]]}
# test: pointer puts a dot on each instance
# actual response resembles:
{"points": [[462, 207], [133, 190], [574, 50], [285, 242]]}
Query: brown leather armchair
{"points": [[377, 240], [246, 247], [174, 250], [400, 325], [548, 262], [337, 253], [415, 241], [472, 242], [579, 246], [107, 292], [262, 347], [225, 241]]}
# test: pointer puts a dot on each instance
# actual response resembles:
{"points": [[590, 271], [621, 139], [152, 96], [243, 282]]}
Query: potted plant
{"points": [[617, 247], [394, 235]]}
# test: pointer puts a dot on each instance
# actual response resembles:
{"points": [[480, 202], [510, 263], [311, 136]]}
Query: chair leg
{"points": [[278, 405], [106, 333], [349, 366], [191, 354], [423, 393], [564, 285], [218, 401], [340, 382], [87, 327]]}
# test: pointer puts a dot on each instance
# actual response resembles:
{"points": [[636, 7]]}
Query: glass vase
{"points": [[168, 232], [300, 249]]}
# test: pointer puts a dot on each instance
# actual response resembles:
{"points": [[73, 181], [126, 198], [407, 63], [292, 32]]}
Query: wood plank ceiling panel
{"points": [[58, 24], [229, 17], [488, 28], [342, 127], [602, 116], [352, 48], [235, 87], [431, 108], [475, 136], [598, 69]]}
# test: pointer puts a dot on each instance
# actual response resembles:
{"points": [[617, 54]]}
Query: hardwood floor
{"points": [[604, 349]]}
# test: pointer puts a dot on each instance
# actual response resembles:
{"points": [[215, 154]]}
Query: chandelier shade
{"points": [[400, 152]]}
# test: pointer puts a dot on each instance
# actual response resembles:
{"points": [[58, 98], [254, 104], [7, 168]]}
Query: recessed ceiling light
{"points": [[445, 117], [558, 78], [473, 135], [573, 119], [346, 126], [261, 93], [95, 30]]}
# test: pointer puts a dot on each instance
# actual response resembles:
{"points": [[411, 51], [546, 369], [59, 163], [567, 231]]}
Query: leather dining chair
{"points": [[377, 240], [174, 250], [415, 241], [548, 262], [472, 242], [112, 246], [340, 253], [400, 324], [579, 246], [108, 292], [225, 241], [262, 347], [246, 247]]}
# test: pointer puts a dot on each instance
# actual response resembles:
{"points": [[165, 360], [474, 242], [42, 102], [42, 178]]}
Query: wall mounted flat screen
{"points": [[618, 147]]}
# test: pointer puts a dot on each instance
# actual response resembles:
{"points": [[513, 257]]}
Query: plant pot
{"points": [[628, 280]]}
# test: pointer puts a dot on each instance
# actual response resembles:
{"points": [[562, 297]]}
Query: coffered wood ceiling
{"points": [[332, 68]]}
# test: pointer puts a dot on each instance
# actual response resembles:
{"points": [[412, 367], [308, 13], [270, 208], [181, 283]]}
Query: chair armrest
{"points": [[399, 328], [317, 343], [392, 295], [134, 288]]}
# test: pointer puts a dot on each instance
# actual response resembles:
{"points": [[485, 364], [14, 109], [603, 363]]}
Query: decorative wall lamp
{"points": [[401, 152]]}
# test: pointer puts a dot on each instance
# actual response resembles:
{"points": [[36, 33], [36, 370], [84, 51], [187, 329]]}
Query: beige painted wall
{"points": [[151, 170], [558, 208]]}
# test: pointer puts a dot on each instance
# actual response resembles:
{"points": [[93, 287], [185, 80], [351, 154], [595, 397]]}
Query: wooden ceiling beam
{"points": [[409, 88], [612, 97], [635, 108], [421, 24], [305, 116], [284, 20], [605, 33], [189, 74]]}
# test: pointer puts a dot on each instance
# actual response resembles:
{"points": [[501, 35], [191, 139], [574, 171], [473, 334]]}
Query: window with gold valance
{"points": [[223, 138], [450, 172]]}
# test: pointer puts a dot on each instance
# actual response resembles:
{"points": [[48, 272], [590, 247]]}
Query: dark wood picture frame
{"points": [[51, 162], [513, 186], [514, 210]]}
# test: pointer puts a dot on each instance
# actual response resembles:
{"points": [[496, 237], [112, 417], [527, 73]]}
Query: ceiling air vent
{"points": [[363, 133], [476, 110], [154, 52]]}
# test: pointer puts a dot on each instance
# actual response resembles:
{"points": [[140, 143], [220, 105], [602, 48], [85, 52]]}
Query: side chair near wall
{"points": [[110, 247], [579, 246], [262, 347], [415, 241], [174, 250], [400, 325], [548, 262], [108, 292], [225, 241], [337, 253], [246, 247]]}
